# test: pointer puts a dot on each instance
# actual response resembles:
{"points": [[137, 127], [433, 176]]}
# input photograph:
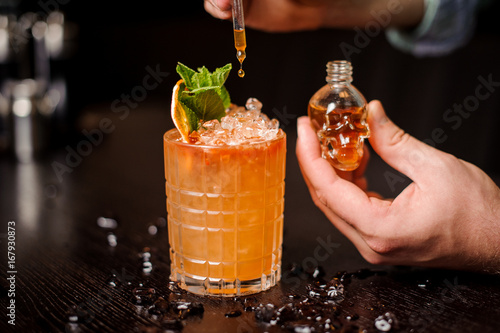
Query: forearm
{"points": [[446, 26], [401, 14]]}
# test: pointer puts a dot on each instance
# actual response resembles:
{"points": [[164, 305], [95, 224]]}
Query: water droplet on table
{"points": [[144, 296], [385, 322], [233, 314], [114, 281], [107, 222], [152, 229], [112, 240]]}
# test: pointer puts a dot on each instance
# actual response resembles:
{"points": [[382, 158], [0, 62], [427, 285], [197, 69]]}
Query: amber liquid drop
{"points": [[340, 132], [240, 43]]}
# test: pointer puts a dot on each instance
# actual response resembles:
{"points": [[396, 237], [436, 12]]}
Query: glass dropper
{"points": [[240, 42]]}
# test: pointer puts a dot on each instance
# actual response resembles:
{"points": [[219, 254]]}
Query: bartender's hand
{"points": [[448, 217], [295, 15]]}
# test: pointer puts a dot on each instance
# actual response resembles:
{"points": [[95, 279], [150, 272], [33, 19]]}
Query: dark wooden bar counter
{"points": [[76, 275]]}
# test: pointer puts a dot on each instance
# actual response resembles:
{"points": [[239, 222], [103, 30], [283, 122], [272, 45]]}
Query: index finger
{"points": [[219, 8]]}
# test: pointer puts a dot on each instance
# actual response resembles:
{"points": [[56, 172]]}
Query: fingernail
{"points": [[300, 125], [216, 5], [377, 114], [300, 122]]}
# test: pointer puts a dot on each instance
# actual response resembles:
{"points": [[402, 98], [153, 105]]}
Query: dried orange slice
{"points": [[179, 116]]}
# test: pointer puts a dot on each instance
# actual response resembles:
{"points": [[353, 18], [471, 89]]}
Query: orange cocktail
{"points": [[225, 214]]}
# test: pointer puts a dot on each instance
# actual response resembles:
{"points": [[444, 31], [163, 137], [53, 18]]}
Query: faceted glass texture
{"points": [[225, 214]]}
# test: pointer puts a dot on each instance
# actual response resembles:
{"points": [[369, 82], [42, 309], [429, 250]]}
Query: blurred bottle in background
{"points": [[35, 47]]}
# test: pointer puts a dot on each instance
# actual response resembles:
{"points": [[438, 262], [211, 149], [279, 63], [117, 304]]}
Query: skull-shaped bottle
{"points": [[338, 114]]}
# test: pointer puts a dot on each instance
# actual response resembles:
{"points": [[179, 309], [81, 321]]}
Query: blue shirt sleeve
{"points": [[446, 26]]}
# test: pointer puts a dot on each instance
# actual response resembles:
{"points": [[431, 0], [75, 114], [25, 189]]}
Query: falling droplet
{"points": [[241, 73]]}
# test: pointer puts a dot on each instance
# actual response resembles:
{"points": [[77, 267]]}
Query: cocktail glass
{"points": [[225, 214]]}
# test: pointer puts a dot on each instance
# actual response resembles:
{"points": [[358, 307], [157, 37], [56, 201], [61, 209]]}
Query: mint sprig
{"points": [[204, 97]]}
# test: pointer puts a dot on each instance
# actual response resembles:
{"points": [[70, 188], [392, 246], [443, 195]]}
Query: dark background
{"points": [[116, 42]]}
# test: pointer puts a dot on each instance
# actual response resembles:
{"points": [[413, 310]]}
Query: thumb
{"points": [[219, 8], [399, 149]]}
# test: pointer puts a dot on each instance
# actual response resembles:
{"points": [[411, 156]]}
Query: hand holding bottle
{"points": [[296, 15], [448, 217]]}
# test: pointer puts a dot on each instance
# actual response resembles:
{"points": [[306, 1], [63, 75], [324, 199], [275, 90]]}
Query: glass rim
{"points": [[167, 137]]}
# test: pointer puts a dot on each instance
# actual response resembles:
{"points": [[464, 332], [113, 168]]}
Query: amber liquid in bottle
{"points": [[338, 114], [240, 43], [340, 132]]}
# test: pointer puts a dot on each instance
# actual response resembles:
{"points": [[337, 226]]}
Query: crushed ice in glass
{"points": [[240, 125]]}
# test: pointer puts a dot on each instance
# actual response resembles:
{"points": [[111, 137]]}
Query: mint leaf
{"points": [[206, 98], [186, 74], [188, 113], [203, 78], [206, 104], [191, 117], [198, 90], [226, 99], [220, 75]]}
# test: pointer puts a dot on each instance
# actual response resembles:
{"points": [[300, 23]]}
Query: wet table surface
{"points": [[73, 275]]}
